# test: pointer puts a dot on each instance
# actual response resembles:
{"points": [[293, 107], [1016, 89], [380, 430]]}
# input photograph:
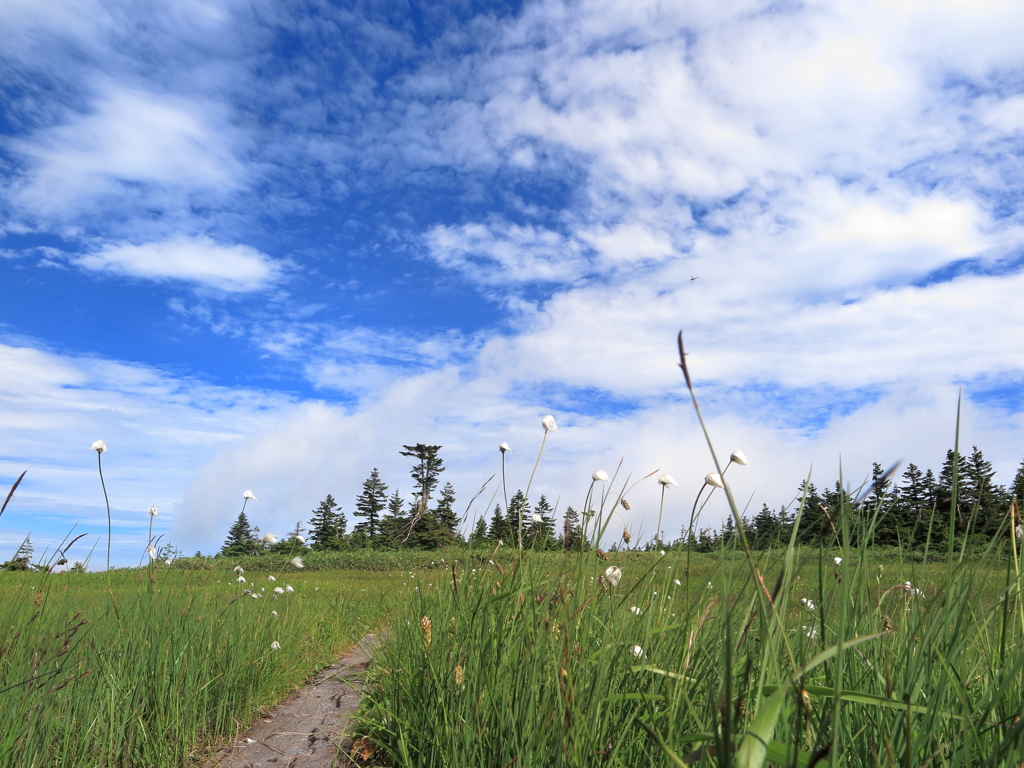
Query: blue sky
{"points": [[262, 245]]}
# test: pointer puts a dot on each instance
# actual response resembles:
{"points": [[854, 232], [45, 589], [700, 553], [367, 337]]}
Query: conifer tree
{"points": [[327, 526], [447, 520], [1017, 489], [371, 503], [541, 535], [241, 540], [394, 524], [572, 534], [499, 528], [518, 512], [479, 534]]}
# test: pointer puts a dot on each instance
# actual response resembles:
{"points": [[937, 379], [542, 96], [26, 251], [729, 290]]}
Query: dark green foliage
{"points": [[572, 533], [500, 529], [479, 534], [241, 539], [370, 504], [541, 535], [327, 526], [22, 558]]}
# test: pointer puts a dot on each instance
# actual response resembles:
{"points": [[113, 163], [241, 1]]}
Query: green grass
{"points": [[539, 665], [149, 668]]}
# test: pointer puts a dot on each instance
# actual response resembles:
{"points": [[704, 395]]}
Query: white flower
{"points": [[662, 553], [634, 610], [168, 561], [1019, 532], [288, 588], [537, 518], [811, 632], [278, 591], [548, 422], [739, 458], [152, 511], [241, 579], [837, 560], [256, 595], [715, 479], [297, 562], [710, 585], [667, 480], [613, 574], [807, 604], [99, 446], [638, 651], [239, 569], [152, 552], [248, 495], [271, 578], [503, 447], [501, 543], [300, 539], [677, 582], [601, 477], [275, 646], [269, 538], [274, 614]]}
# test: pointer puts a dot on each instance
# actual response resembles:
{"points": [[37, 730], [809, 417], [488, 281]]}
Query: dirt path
{"points": [[308, 728]]}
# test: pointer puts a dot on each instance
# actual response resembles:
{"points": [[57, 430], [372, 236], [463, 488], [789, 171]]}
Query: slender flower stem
{"points": [[99, 463], [661, 509], [504, 490], [527, 496]]}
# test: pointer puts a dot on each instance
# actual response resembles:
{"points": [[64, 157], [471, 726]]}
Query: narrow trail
{"points": [[308, 728]]}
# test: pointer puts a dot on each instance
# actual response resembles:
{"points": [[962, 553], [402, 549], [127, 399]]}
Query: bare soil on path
{"points": [[308, 729]]}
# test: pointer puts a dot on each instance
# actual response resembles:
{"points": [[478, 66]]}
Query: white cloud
{"points": [[233, 268], [132, 148]]}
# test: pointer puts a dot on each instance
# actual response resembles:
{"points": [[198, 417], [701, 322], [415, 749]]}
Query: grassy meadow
{"points": [[791, 660], [151, 667]]}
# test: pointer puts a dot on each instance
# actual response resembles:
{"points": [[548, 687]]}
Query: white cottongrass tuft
{"points": [[271, 578], [837, 560], [811, 632], [275, 646], [239, 569], [99, 446], [537, 518], [601, 477], [152, 552], [739, 457], [274, 614], [241, 579], [249, 495], [635, 611], [152, 511], [548, 422], [1019, 532], [503, 447], [168, 561], [807, 604], [278, 591], [661, 553], [297, 562], [677, 582], [667, 480], [288, 588], [638, 652], [715, 479], [269, 538], [300, 539], [613, 574]]}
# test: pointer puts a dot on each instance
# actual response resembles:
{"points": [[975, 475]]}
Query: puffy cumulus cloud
{"points": [[199, 260]]}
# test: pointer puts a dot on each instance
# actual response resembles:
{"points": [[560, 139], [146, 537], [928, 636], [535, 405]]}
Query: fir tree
{"points": [[572, 534], [479, 534], [241, 539], [447, 520], [394, 524], [541, 535], [327, 526], [499, 528], [766, 529], [424, 474], [22, 558], [518, 513], [371, 503]]}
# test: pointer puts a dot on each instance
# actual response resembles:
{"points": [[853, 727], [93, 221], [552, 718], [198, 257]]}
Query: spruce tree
{"points": [[327, 526], [518, 514], [394, 524], [500, 528], [447, 519], [241, 540], [541, 535], [1017, 489], [424, 474], [479, 535], [572, 534], [766, 529], [371, 503]]}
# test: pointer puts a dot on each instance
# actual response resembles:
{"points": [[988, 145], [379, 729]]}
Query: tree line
{"points": [[912, 511]]}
